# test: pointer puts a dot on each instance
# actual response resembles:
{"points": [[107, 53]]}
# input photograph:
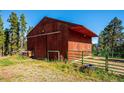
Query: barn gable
{"points": [[50, 23]]}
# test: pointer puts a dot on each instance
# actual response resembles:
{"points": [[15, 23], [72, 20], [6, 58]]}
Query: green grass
{"points": [[102, 75], [19, 57], [6, 62], [94, 75], [11, 60], [67, 68]]}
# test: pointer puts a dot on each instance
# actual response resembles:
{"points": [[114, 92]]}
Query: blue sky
{"points": [[94, 20]]}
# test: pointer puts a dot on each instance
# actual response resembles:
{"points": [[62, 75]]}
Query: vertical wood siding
{"points": [[63, 41]]}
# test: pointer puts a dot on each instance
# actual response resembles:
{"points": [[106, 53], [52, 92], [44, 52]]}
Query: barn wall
{"points": [[40, 47], [64, 41], [79, 46], [30, 44], [42, 44], [64, 28], [54, 43], [78, 42], [57, 41], [37, 46]]}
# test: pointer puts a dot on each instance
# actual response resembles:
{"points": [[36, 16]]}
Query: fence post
{"points": [[82, 57], [106, 62]]}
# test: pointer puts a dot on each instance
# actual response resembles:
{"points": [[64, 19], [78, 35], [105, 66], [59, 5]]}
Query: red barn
{"points": [[52, 38]]}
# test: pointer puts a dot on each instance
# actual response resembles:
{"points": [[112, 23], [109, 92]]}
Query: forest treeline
{"points": [[13, 38], [111, 40]]}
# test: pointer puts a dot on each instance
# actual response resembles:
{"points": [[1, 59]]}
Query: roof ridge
{"points": [[62, 21]]}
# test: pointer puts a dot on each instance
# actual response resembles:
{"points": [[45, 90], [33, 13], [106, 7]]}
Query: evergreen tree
{"points": [[110, 37], [14, 26], [29, 29], [1, 36], [18, 36], [23, 30], [95, 49], [7, 42]]}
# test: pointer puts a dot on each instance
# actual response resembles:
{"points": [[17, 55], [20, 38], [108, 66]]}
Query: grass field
{"points": [[22, 69]]}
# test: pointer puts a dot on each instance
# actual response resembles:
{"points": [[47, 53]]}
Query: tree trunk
{"points": [[23, 42], [112, 53], [11, 50], [3, 50]]}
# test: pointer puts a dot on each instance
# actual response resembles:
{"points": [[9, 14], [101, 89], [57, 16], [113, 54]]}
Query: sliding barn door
{"points": [[40, 49]]}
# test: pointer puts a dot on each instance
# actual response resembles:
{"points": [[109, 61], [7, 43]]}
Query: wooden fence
{"points": [[113, 65], [109, 65]]}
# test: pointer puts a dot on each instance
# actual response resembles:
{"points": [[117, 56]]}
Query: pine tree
{"points": [[110, 38], [95, 49], [7, 42], [18, 36], [29, 29], [23, 30], [14, 26], [1, 36]]}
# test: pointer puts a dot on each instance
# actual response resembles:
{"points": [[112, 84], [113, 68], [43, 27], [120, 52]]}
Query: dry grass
{"points": [[22, 69], [28, 70]]}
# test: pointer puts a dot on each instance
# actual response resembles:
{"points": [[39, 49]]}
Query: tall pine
{"points": [[7, 42], [1, 36], [110, 37], [14, 32], [23, 30]]}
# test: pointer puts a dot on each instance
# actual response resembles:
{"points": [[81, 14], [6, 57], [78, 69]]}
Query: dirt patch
{"points": [[35, 73]]}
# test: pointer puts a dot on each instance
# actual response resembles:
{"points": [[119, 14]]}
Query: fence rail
{"points": [[109, 66], [113, 65]]}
